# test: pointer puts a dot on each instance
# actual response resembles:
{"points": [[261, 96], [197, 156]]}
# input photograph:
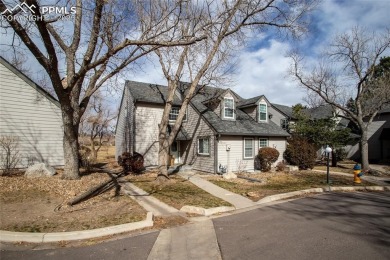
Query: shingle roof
{"points": [[149, 93], [321, 112], [243, 125], [248, 102], [284, 109]]}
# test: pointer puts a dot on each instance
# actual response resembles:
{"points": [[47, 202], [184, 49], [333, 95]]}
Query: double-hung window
{"points": [[263, 142], [248, 148], [229, 107], [204, 146], [174, 113], [263, 112]]}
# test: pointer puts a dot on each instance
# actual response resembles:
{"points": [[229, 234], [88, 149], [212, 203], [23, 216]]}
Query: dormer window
{"points": [[263, 112], [229, 107]]}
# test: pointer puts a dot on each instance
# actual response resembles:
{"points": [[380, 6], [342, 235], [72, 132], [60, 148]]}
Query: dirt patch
{"points": [[40, 205]]}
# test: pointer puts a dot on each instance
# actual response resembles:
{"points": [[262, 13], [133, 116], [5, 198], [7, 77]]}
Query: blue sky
{"points": [[263, 66]]}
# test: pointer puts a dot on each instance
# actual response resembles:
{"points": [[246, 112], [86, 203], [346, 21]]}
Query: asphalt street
{"points": [[326, 226]]}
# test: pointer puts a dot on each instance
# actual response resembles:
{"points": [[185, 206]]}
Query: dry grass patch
{"points": [[345, 168], [40, 205], [279, 182], [177, 192]]}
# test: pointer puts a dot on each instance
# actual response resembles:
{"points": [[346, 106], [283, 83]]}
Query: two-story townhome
{"points": [[221, 130]]}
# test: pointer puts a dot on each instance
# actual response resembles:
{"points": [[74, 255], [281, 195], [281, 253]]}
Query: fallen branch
{"points": [[106, 186], [250, 179]]}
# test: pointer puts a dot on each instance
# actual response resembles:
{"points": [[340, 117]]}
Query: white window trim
{"points": [[266, 112], [208, 138], [263, 139], [185, 116], [224, 108], [253, 148]]}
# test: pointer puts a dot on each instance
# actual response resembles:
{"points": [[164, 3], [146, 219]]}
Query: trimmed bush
{"points": [[300, 152], [267, 156], [281, 166]]}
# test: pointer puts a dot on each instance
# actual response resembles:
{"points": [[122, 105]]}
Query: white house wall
{"points": [[33, 118], [234, 158], [125, 126], [147, 118]]}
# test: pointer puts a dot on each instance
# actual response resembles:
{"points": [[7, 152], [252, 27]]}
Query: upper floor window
{"points": [[262, 112], [284, 123], [228, 107], [175, 113]]}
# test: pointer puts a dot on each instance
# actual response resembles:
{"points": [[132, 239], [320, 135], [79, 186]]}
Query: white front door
{"points": [[175, 151]]}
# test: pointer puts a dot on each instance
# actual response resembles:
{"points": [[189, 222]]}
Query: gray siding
{"points": [[196, 127], [124, 133], [33, 118], [377, 149], [276, 115]]}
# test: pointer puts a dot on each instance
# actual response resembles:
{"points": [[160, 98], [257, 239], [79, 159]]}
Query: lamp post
{"points": [[328, 150]]}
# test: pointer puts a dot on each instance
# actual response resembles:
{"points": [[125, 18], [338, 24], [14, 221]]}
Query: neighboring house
{"points": [[220, 130], [378, 139], [31, 114]]}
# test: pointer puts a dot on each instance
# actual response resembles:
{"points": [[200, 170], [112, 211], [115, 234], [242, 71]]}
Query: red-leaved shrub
{"points": [[267, 156]]}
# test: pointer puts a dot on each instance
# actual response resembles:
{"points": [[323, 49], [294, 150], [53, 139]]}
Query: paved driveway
{"points": [[327, 226]]}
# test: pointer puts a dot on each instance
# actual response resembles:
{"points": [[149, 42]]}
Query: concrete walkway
{"points": [[236, 200], [194, 241], [148, 202]]}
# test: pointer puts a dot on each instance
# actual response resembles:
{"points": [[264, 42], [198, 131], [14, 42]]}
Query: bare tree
{"points": [[226, 24], [96, 123], [81, 51], [9, 154], [345, 79]]}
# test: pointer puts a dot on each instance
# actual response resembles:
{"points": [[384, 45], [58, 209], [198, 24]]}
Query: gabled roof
{"points": [[149, 93], [320, 112], [286, 110], [243, 125], [29, 81], [249, 102]]}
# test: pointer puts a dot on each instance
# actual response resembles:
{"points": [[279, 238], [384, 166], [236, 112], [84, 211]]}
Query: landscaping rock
{"points": [[39, 170], [292, 168], [252, 194], [229, 176]]}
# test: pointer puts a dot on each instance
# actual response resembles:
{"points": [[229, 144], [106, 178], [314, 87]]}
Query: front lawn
{"points": [[274, 183]]}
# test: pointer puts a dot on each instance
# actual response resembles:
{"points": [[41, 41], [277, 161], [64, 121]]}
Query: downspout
{"points": [[216, 141]]}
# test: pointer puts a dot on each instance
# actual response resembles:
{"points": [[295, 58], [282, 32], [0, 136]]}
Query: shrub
{"points": [[267, 156], [9, 154], [281, 166], [341, 154], [300, 152]]}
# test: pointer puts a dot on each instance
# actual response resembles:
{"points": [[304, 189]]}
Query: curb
{"points": [[320, 190], [7, 236], [206, 212]]}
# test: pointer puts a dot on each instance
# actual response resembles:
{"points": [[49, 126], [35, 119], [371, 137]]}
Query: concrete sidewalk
{"points": [[194, 241], [382, 181], [236, 200]]}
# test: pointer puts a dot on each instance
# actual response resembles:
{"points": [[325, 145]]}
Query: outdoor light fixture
{"points": [[328, 150]]}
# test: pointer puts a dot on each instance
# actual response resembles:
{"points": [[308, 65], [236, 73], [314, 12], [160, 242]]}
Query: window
{"points": [[262, 112], [229, 108], [248, 148], [263, 142], [204, 146], [175, 113], [284, 123]]}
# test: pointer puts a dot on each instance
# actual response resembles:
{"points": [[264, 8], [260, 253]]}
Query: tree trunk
{"points": [[71, 146], [93, 150], [163, 153], [334, 158], [364, 150]]}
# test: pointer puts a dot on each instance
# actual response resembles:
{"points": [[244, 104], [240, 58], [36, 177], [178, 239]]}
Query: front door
{"points": [[175, 151]]}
